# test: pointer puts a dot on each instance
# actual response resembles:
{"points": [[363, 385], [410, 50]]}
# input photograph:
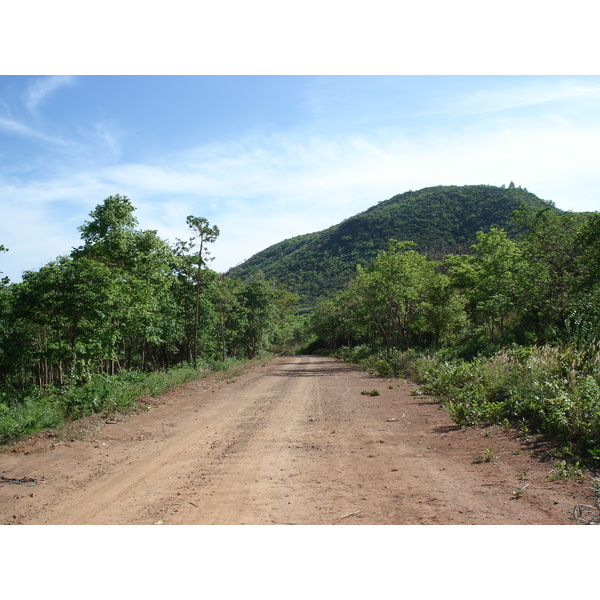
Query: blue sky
{"points": [[269, 157]]}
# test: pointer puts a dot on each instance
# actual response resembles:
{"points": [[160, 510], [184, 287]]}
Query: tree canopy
{"points": [[439, 220], [128, 300]]}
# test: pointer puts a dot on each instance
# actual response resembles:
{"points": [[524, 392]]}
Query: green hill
{"points": [[438, 219]]}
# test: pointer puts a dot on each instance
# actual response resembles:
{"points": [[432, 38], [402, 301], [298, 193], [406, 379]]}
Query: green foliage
{"points": [[487, 456], [552, 391], [204, 234], [92, 330], [378, 361], [390, 294], [491, 278], [111, 221], [555, 266], [400, 300], [563, 470], [27, 417], [120, 392], [103, 393], [370, 393], [438, 220]]}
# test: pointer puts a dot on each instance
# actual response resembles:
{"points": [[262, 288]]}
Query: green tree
{"points": [[491, 278], [141, 267], [330, 324], [391, 293], [232, 315], [67, 304], [443, 309], [267, 305], [107, 236], [204, 234], [552, 248], [583, 321]]}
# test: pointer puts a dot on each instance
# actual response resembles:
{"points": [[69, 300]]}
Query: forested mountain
{"points": [[438, 219]]}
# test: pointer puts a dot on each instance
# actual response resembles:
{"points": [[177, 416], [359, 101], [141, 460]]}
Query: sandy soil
{"points": [[290, 442]]}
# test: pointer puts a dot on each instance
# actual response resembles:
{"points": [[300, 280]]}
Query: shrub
{"points": [[26, 418], [548, 390], [370, 393]]}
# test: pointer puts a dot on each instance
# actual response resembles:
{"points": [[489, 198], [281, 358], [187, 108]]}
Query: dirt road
{"points": [[290, 442]]}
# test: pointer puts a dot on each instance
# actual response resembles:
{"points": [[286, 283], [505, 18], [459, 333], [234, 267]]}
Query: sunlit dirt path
{"points": [[292, 442]]}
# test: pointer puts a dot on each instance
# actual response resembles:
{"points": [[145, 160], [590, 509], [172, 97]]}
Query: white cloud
{"points": [[261, 191], [15, 127], [12, 126], [42, 88], [490, 96]]}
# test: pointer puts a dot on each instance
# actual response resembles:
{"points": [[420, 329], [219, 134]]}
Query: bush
{"points": [[553, 391], [394, 363], [26, 418]]}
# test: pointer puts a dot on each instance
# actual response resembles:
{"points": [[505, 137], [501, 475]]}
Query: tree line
{"points": [[543, 287], [438, 220], [125, 299]]}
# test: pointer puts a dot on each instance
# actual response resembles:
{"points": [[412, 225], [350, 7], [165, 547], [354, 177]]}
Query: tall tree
{"points": [[140, 264], [584, 318], [204, 234], [232, 315], [443, 310], [552, 248], [491, 277], [392, 292], [107, 235]]}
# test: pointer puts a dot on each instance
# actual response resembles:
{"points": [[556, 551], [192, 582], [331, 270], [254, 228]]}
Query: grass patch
{"points": [[109, 394], [27, 418], [370, 393]]}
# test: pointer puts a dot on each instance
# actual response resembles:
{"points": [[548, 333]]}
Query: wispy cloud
{"points": [[15, 127], [108, 138], [18, 128], [261, 190], [43, 88], [513, 93], [14, 120]]}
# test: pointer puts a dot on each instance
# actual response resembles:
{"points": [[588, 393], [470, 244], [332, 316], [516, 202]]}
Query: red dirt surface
{"points": [[290, 442]]}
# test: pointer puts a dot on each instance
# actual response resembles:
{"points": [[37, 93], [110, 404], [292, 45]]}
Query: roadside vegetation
{"points": [[506, 332], [123, 392], [126, 315]]}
